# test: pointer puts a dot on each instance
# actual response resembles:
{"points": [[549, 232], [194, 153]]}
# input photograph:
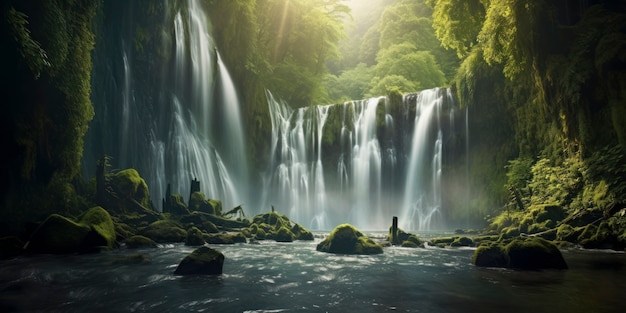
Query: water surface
{"points": [[293, 277]]}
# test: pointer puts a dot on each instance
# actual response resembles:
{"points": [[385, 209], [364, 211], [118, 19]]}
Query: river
{"points": [[294, 277]]}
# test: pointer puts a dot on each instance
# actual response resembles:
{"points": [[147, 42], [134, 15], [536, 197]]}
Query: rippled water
{"points": [[293, 277]]}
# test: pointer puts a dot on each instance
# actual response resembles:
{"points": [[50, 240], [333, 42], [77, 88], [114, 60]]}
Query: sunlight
{"points": [[281, 29]]}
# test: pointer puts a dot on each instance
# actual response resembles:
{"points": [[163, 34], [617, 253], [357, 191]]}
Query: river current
{"points": [[294, 277]]}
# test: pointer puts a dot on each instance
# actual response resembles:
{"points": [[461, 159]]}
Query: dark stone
{"points": [[202, 261], [138, 241], [532, 253]]}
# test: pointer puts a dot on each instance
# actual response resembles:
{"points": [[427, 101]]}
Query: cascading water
{"points": [[380, 171], [188, 128]]}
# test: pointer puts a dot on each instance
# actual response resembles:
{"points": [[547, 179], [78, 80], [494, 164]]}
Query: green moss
{"points": [[194, 237], [301, 233], [177, 205], [100, 221], [284, 235], [58, 234], [164, 231], [225, 238], [489, 255], [128, 184], [462, 242], [138, 241], [346, 239], [533, 253]]}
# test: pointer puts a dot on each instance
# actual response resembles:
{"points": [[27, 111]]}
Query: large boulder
{"points": [[129, 185], [194, 237], [164, 231], [101, 224], [57, 235], [198, 202], [520, 253], [202, 261], [346, 239]]}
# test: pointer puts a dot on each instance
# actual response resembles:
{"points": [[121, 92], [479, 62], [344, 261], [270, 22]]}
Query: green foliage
{"points": [[457, 23], [30, 50]]}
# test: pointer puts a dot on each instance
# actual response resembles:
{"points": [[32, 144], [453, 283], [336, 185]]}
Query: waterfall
{"points": [[376, 173], [178, 118]]}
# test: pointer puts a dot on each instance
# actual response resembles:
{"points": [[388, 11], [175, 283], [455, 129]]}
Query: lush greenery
{"points": [[46, 70]]}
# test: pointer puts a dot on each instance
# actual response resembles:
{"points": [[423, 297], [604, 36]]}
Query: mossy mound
{"points": [[346, 239], [194, 237], [462, 242], [138, 242], [202, 261], [200, 219], [177, 206], [199, 203], [276, 226], [164, 231], [404, 239], [531, 253], [413, 242], [224, 238], [128, 184], [610, 234], [100, 222], [58, 235]]}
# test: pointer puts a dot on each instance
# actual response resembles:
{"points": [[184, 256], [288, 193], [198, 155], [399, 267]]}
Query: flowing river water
{"points": [[294, 277]]}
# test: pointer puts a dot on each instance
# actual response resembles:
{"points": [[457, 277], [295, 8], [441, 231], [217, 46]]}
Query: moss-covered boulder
{"points": [[284, 234], [521, 253], [129, 185], [346, 239], [462, 241], [138, 242], [301, 233], [194, 237], [200, 218], [199, 203], [224, 238], [164, 231], [202, 261], [177, 205], [58, 235], [101, 224], [412, 242]]}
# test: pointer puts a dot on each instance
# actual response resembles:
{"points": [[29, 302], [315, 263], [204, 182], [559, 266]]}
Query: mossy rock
{"points": [[209, 227], [128, 184], [101, 224], [224, 238], [489, 254], [534, 253], [124, 230], [202, 261], [547, 212], [197, 202], [136, 219], [164, 231], [260, 234], [273, 219], [284, 235], [10, 246], [58, 235], [138, 242], [301, 233], [462, 242], [346, 239], [531, 253], [247, 233], [194, 237], [445, 241], [509, 232], [568, 233], [177, 205]]}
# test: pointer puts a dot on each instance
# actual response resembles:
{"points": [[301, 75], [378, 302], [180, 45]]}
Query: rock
{"points": [[128, 184], [177, 205], [202, 261], [284, 235], [164, 231], [531, 253], [58, 235], [301, 233], [405, 239], [346, 239], [138, 241], [194, 237], [225, 238], [462, 242], [101, 224], [199, 203], [412, 242]]}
